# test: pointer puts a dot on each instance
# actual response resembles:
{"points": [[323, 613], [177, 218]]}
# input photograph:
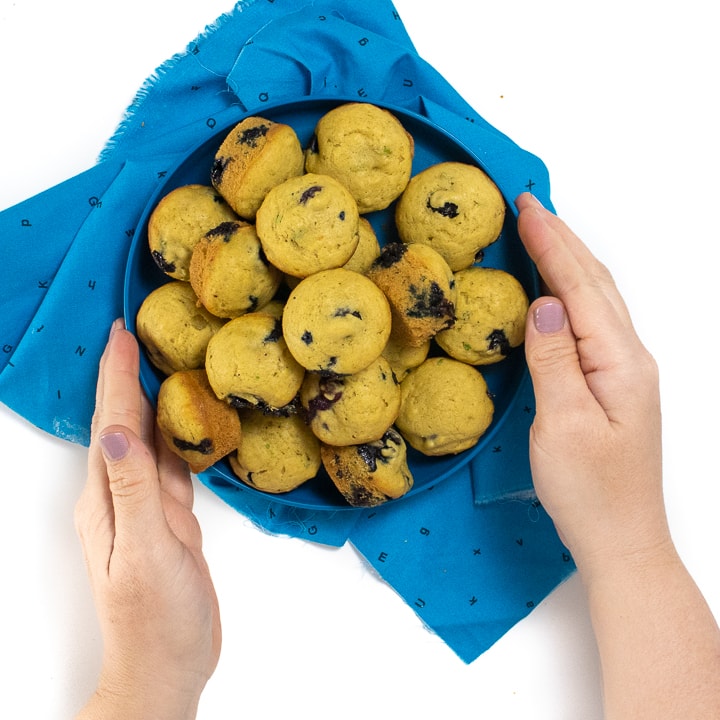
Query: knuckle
{"points": [[551, 354], [125, 482]]}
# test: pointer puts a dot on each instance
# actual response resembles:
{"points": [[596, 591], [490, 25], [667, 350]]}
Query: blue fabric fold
{"points": [[473, 554], [53, 348], [469, 571]]}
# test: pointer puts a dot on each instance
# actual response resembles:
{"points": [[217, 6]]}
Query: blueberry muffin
{"points": [[249, 365], [307, 224], [453, 207], [179, 220], [445, 407], [370, 474], [336, 321], [275, 308], [230, 273], [174, 329], [490, 313], [256, 155], [196, 426], [367, 149], [420, 288], [351, 409], [367, 250], [403, 357], [277, 453]]}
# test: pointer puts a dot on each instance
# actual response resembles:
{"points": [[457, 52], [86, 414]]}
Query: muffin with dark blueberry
{"points": [[420, 288], [179, 220], [249, 365], [491, 310], [351, 409], [307, 224], [336, 322], [196, 426], [372, 473], [256, 155], [230, 273], [453, 207]]}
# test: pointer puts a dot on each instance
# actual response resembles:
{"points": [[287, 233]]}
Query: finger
{"points": [[173, 472], [121, 399], [147, 424], [551, 350], [93, 512], [134, 486], [95, 525], [118, 399], [117, 324], [570, 271]]}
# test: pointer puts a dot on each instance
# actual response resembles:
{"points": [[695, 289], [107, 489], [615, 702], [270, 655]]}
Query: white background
{"points": [[620, 101]]}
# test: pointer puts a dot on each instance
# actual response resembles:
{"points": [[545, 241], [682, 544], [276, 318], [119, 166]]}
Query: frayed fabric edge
{"points": [[150, 82]]}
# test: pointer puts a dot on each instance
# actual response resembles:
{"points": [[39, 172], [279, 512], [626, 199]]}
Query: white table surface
{"points": [[620, 101]]}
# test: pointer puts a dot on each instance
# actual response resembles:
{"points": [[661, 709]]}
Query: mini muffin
{"points": [[490, 313], [403, 357], [179, 220], [249, 365], [275, 308], [420, 288], [277, 454], [230, 273], [174, 329], [453, 207], [307, 224], [367, 250], [370, 474], [445, 407], [351, 409], [367, 149], [256, 155], [196, 426], [336, 321]]}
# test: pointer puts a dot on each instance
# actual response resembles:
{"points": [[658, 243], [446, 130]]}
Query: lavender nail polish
{"points": [[549, 317], [114, 445]]}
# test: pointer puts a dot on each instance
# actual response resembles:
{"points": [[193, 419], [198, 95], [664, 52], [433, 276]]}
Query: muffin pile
{"points": [[291, 338]]}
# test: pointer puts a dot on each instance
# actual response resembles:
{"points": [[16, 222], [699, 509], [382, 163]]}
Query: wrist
{"points": [[124, 696], [618, 535], [625, 555]]}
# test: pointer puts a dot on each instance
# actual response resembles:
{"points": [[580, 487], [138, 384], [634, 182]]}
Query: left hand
{"points": [[156, 603]]}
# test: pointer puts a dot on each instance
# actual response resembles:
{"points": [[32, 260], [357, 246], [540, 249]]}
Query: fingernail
{"points": [[531, 198], [536, 200], [549, 317], [114, 445], [118, 324]]}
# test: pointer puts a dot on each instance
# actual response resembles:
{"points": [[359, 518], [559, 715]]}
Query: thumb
{"points": [[133, 483], [552, 357]]}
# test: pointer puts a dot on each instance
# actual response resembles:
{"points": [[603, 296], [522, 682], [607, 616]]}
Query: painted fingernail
{"points": [[114, 445], [549, 317]]}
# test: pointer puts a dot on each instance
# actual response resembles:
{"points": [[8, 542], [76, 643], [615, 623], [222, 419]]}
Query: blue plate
{"points": [[432, 145]]}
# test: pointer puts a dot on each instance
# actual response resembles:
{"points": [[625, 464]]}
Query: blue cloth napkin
{"points": [[471, 555]]}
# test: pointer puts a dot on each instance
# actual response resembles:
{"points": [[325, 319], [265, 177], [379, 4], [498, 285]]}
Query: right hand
{"points": [[595, 444]]}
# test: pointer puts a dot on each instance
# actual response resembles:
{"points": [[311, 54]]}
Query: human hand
{"points": [[156, 603], [595, 444]]}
